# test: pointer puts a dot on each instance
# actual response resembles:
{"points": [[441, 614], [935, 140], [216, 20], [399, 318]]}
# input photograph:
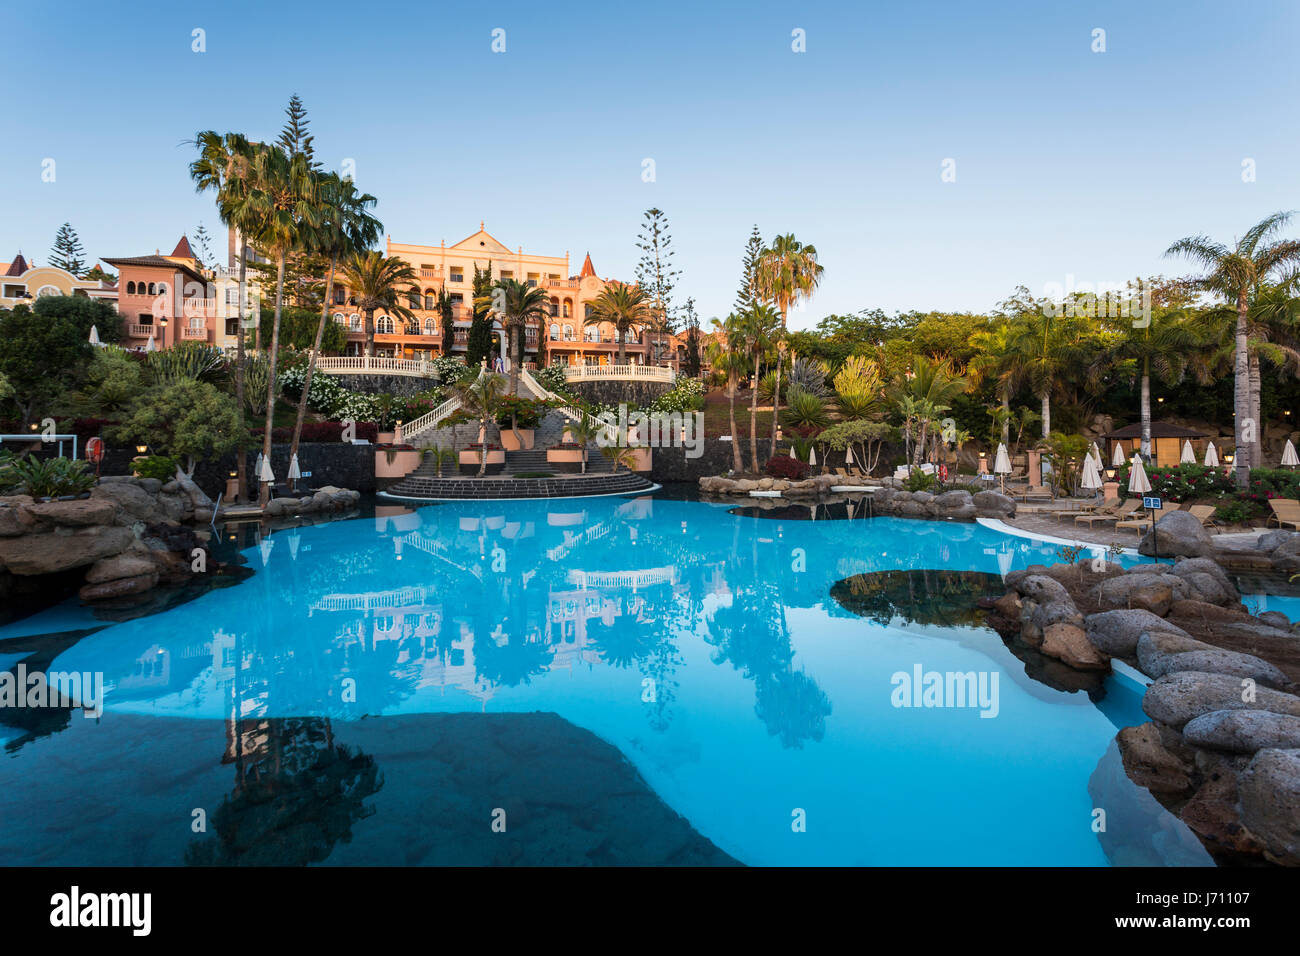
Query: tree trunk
{"points": [[241, 459], [1257, 461], [776, 397], [264, 490], [1241, 395], [1006, 419], [753, 414], [516, 334], [1144, 407], [483, 443], [1047, 413], [311, 361], [622, 346], [738, 464], [370, 331]]}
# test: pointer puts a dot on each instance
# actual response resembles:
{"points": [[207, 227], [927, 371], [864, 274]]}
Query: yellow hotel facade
{"points": [[564, 338]]}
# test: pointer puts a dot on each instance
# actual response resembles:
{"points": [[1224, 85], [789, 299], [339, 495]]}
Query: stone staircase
{"points": [[534, 460], [600, 479]]}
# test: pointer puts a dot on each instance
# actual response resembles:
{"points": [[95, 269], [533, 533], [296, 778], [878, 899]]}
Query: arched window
{"points": [[568, 308], [568, 333], [152, 289], [48, 290], [430, 299], [430, 327], [354, 322], [338, 317], [384, 325], [130, 288], [162, 288], [555, 307], [555, 330]]}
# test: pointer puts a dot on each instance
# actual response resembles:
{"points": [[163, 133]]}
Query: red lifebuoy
{"points": [[943, 472], [95, 450]]}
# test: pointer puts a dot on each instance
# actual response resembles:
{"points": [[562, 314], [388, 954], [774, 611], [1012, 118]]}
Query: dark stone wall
{"points": [[613, 392], [403, 385], [671, 464], [330, 463]]}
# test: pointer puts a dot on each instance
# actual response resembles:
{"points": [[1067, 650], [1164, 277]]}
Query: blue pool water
{"points": [[704, 645]]}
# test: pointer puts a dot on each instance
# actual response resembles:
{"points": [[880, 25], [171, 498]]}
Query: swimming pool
{"points": [[704, 645]]}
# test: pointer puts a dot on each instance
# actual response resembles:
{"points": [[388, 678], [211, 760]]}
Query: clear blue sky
{"points": [[1067, 161]]}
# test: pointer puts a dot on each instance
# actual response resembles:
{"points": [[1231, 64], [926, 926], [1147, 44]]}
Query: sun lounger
{"points": [[1113, 514], [1148, 519], [1202, 513], [1286, 511], [1106, 506]]}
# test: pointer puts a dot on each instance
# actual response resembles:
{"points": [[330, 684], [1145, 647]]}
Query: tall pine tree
{"points": [[747, 294], [656, 275], [692, 323], [203, 239], [294, 136], [67, 252]]}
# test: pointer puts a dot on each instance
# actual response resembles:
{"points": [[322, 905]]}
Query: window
{"points": [[130, 288], [430, 300], [507, 274], [555, 330], [354, 322], [457, 275], [48, 290], [152, 289], [144, 318], [413, 299], [232, 297], [339, 318], [162, 288], [384, 325], [430, 327], [586, 310], [339, 295], [568, 333], [232, 326]]}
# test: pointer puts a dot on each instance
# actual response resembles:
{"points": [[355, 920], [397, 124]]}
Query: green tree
{"points": [[626, 307], [482, 397], [479, 342], [67, 253], [378, 282], [787, 272], [726, 352], [1045, 350], [761, 324], [747, 294], [346, 227], [655, 272], [692, 322], [1232, 273], [203, 239], [187, 419], [45, 349], [515, 304], [223, 161]]}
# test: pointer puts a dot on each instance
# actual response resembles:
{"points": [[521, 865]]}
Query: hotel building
{"points": [[565, 338]]}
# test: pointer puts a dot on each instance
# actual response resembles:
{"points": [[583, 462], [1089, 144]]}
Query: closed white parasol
{"points": [[1138, 483]]}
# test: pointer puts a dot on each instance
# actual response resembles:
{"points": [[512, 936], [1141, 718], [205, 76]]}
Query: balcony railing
{"points": [[369, 364], [199, 334], [137, 331], [639, 373]]}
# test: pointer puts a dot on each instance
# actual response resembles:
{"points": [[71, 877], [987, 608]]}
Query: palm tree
{"points": [[1044, 350], [345, 228], [481, 396], [1233, 273], [992, 360], [1164, 345], [379, 282], [224, 158], [515, 304], [280, 193], [726, 354], [623, 306], [584, 431], [786, 272], [760, 324]]}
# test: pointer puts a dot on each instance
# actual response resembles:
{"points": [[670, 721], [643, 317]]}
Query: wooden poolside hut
{"points": [[1166, 442]]}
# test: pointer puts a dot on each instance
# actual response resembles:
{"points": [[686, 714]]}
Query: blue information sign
{"points": [[1153, 503]]}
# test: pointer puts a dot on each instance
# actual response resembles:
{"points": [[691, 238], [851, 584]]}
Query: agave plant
{"points": [[187, 361], [51, 477], [256, 374], [805, 411]]}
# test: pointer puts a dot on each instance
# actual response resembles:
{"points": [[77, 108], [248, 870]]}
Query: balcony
{"points": [[137, 331], [197, 334]]}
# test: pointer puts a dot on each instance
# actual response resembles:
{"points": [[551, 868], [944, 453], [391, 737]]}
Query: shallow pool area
{"points": [[801, 692]]}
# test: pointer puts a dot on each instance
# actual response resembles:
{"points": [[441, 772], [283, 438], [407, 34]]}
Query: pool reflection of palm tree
{"points": [[297, 793]]}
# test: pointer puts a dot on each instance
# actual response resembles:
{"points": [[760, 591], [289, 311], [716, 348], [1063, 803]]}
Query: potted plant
{"points": [[518, 419]]}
